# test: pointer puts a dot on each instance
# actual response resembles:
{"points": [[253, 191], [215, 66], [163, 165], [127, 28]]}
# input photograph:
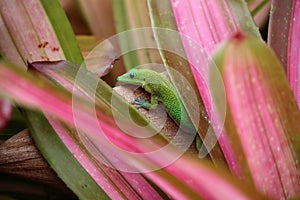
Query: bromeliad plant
{"points": [[257, 152]]}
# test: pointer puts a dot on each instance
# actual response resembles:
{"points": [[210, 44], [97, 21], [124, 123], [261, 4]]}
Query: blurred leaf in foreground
{"points": [[174, 178], [262, 122]]}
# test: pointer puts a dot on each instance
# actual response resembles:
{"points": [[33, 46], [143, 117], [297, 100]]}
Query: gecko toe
{"points": [[138, 107], [139, 102]]}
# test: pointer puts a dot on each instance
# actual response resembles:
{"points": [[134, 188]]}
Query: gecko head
{"points": [[134, 76]]}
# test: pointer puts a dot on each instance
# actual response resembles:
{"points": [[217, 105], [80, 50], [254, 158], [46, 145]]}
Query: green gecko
{"points": [[161, 90]]}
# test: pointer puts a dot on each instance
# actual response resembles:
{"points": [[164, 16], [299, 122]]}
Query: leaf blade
{"points": [[283, 33], [261, 105]]}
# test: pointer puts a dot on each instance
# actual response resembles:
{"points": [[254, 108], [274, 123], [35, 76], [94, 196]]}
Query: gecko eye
{"points": [[131, 74]]}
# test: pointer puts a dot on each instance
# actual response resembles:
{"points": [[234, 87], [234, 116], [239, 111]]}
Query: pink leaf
{"points": [[203, 25], [263, 118], [109, 178], [293, 70], [5, 112], [284, 31]]}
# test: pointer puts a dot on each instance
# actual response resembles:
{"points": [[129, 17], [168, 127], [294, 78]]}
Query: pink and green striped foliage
{"points": [[176, 179], [261, 137], [262, 122], [203, 25], [51, 38], [208, 24]]}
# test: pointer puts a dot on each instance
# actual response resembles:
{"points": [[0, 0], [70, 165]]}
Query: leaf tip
{"points": [[239, 36]]}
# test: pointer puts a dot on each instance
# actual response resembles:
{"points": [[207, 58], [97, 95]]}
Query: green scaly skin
{"points": [[161, 90]]}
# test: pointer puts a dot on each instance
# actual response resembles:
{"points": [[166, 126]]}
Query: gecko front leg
{"points": [[141, 103]]}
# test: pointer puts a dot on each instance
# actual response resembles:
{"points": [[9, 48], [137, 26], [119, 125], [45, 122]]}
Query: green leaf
{"points": [[44, 43], [61, 159], [259, 7], [63, 30], [132, 15]]}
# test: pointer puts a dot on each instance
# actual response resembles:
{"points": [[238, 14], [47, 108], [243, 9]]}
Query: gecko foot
{"points": [[139, 102]]}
